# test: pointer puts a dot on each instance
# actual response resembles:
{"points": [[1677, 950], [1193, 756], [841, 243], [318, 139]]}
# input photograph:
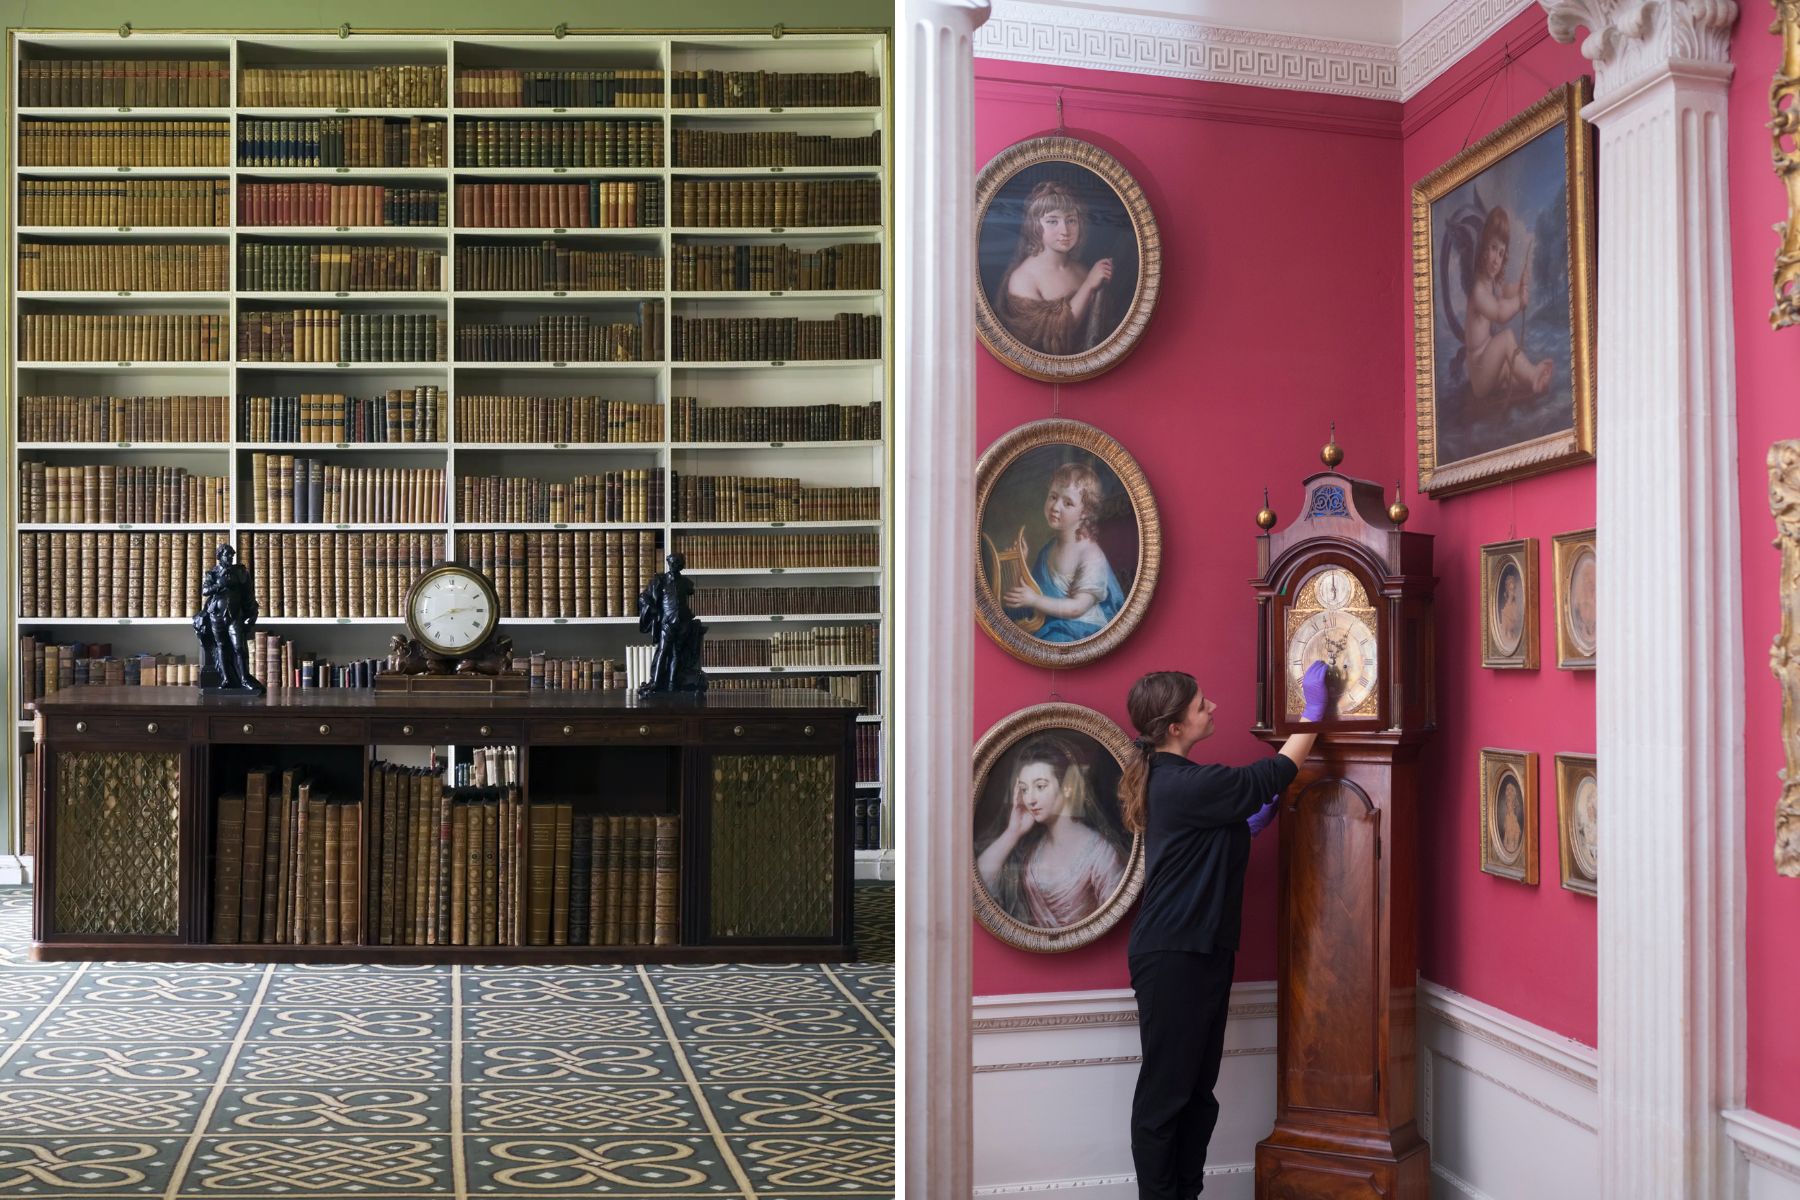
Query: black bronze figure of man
{"points": [[664, 614], [226, 625]]}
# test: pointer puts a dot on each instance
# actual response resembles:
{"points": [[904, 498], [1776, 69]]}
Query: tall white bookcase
{"points": [[756, 383]]}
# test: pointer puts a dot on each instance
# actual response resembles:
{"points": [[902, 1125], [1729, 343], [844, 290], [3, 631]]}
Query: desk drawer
{"points": [[725, 732], [254, 727], [71, 728], [614, 730], [463, 731]]}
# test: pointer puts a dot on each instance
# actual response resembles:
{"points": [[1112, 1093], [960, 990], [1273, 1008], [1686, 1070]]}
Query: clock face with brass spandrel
{"points": [[1332, 619]]}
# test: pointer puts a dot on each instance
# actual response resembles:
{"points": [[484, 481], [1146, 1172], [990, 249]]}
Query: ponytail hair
{"points": [[1157, 701]]}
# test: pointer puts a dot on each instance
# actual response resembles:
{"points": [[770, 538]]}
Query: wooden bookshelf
{"points": [[422, 203]]}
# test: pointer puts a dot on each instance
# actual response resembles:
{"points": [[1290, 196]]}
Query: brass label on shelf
{"points": [[344, 620], [122, 526], [124, 170], [124, 445], [559, 620], [343, 364], [343, 229], [775, 293], [778, 229], [776, 524], [340, 527], [124, 108], [777, 168], [776, 109], [777, 570], [776, 445], [124, 620], [559, 293], [776, 670], [124, 229], [125, 364], [559, 364], [341, 295], [559, 170], [778, 362], [559, 229], [124, 293], [343, 170], [345, 445], [342, 110], [560, 525], [559, 445], [555, 110], [777, 617]]}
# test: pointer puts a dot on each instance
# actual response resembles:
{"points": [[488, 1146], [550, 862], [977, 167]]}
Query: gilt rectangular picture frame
{"points": [[1577, 578], [1509, 605], [1577, 821], [1509, 824]]}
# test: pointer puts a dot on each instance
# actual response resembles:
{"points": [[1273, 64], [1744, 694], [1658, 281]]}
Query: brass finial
{"points": [[1266, 518], [1397, 511], [1331, 454]]}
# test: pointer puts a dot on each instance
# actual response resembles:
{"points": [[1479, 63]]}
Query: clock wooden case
{"points": [[1344, 582]]}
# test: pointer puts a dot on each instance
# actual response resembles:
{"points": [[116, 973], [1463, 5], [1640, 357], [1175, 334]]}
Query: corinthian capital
{"points": [[1627, 38]]}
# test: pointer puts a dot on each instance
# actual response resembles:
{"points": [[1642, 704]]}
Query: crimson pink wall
{"points": [[1768, 363], [1279, 313], [1528, 950]]}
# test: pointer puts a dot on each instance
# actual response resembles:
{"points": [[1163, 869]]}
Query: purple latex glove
{"points": [[1260, 819], [1313, 686]]}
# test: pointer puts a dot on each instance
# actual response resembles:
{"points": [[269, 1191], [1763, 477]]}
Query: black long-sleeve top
{"points": [[1196, 848]]}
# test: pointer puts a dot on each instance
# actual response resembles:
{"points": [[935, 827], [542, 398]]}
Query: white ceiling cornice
{"points": [[1100, 36]]}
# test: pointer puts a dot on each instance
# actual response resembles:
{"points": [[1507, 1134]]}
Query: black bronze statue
{"points": [[226, 625], [663, 613]]}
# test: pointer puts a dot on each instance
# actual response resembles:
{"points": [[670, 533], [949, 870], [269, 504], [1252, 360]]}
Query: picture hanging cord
{"points": [[1056, 399], [1059, 111], [1505, 65], [1054, 694], [1512, 521]]}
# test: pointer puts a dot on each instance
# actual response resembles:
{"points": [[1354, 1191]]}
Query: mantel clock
{"points": [[1346, 584]]}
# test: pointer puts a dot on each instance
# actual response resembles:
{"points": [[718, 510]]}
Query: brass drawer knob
{"points": [[486, 729], [406, 729], [737, 730], [643, 731], [248, 727], [568, 729], [81, 727], [808, 731], [150, 728], [324, 729]]}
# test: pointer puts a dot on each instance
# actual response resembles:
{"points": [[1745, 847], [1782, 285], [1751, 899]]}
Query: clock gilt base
{"points": [[1345, 584]]}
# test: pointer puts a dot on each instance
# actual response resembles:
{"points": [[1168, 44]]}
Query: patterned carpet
{"points": [[772, 1082]]}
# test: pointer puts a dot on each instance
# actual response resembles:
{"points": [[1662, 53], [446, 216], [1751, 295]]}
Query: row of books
{"points": [[743, 339], [575, 674], [778, 203], [755, 601], [862, 689], [336, 335], [113, 575], [559, 87], [761, 551], [125, 203], [47, 667], [770, 498], [339, 204], [129, 143], [820, 646], [285, 863], [773, 148], [374, 85], [444, 861], [124, 418], [589, 204], [773, 89], [603, 880], [122, 337], [337, 574], [551, 266], [280, 664], [341, 142], [487, 143], [332, 267], [136, 82], [739, 268], [634, 494], [285, 489], [398, 416], [29, 802], [588, 573], [868, 751], [124, 266], [690, 422], [108, 494], [566, 337], [571, 419], [865, 822]]}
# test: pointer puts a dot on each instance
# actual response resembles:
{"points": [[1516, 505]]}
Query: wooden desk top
{"points": [[366, 702]]}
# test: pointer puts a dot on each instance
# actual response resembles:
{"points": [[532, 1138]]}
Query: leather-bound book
{"points": [[228, 868], [668, 879]]}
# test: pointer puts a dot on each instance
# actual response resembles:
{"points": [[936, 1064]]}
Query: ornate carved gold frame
{"points": [[1553, 451], [988, 753], [1495, 765], [994, 462], [1571, 769], [1784, 654], [1064, 368], [1784, 129], [1493, 555]]}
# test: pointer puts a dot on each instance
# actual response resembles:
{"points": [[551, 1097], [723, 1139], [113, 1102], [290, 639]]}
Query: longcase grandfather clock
{"points": [[1345, 583]]}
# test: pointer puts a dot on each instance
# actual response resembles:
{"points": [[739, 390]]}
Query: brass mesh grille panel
{"points": [[771, 845], [117, 832]]}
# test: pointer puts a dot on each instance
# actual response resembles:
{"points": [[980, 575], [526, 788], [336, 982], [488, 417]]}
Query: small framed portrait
{"points": [[1068, 259], [1068, 543], [1577, 821], [1503, 301], [1509, 815], [1054, 866], [1573, 555], [1509, 605]]}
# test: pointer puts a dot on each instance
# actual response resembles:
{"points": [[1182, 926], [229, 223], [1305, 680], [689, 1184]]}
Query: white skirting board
{"points": [[1054, 1075], [1771, 1153]]}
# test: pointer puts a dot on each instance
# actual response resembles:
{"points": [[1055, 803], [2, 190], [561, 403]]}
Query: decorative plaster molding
{"points": [[1628, 39], [1541, 1049], [1765, 1142], [1447, 38], [1784, 653], [1079, 36]]}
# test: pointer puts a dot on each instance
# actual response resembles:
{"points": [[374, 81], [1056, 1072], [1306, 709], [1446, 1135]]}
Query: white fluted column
{"points": [[934, 582], [1670, 686]]}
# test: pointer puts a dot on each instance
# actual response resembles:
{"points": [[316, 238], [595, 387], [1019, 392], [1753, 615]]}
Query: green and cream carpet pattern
{"points": [[765, 1082]]}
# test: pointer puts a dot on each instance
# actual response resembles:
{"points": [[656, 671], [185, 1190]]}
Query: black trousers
{"points": [[1183, 1000]]}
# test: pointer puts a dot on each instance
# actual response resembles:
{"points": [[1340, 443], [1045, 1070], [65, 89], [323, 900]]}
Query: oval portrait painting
{"points": [[1507, 831], [1068, 259], [1054, 865], [1580, 603], [1068, 542], [1506, 607]]}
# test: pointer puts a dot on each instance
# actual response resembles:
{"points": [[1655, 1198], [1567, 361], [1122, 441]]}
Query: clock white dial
{"points": [[1347, 645], [451, 612]]}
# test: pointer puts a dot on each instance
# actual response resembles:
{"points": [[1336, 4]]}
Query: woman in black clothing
{"points": [[1197, 821]]}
